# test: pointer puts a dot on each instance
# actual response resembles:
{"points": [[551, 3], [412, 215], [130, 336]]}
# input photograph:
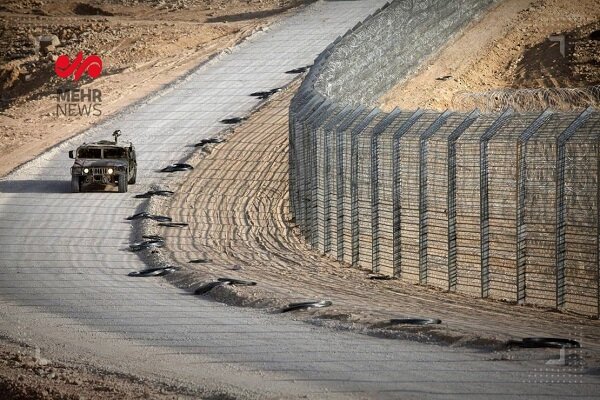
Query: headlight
{"points": [[85, 170], [110, 171]]}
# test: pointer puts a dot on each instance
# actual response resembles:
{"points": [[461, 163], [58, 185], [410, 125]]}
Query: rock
{"points": [[48, 49], [43, 361], [48, 40]]}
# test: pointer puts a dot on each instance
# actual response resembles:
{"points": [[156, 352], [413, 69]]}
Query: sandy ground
{"points": [[144, 45], [509, 47], [236, 204], [236, 200], [25, 374]]}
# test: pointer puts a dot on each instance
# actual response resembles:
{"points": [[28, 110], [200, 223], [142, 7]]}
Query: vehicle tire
{"points": [[133, 176], [75, 184], [123, 183]]}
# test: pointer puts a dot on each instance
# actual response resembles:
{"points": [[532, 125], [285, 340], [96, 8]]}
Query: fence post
{"points": [[521, 196], [297, 107], [292, 162], [330, 177], [484, 199], [308, 148], [341, 175], [302, 145], [375, 196], [324, 166], [423, 150], [452, 138], [598, 226], [356, 132], [316, 162], [396, 170], [560, 204]]}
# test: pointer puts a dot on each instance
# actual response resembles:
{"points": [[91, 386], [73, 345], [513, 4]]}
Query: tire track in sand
{"points": [[236, 204]]}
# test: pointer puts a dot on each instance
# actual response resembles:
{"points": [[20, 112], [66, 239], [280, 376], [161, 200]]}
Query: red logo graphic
{"points": [[65, 68]]}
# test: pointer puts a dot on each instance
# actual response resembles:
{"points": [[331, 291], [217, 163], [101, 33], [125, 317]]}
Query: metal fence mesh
{"points": [[501, 205], [421, 26]]}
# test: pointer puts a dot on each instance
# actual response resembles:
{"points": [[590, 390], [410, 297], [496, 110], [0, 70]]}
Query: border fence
{"points": [[497, 205]]}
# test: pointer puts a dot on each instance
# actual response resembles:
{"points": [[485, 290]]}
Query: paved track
{"points": [[63, 262]]}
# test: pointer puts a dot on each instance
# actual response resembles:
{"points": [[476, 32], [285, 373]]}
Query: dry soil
{"points": [[509, 47], [144, 46], [236, 204]]}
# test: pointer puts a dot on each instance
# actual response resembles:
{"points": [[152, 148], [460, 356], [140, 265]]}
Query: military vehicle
{"points": [[105, 162]]}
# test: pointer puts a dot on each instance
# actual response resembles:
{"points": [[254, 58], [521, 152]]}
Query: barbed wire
{"points": [[386, 48], [528, 100]]}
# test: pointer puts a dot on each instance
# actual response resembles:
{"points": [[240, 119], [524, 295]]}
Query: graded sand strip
{"points": [[236, 204]]}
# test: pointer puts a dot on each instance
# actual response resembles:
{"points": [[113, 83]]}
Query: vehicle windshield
{"points": [[94, 152], [115, 153], [89, 152]]}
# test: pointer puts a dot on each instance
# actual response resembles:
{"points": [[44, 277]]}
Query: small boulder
{"points": [[48, 49], [48, 41]]}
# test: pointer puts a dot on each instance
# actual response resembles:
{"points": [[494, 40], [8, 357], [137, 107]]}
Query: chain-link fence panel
{"points": [[502, 199], [409, 198], [501, 205], [368, 61], [434, 200], [582, 230], [382, 192]]}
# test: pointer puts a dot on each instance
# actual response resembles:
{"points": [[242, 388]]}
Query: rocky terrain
{"points": [[143, 45], [25, 374]]}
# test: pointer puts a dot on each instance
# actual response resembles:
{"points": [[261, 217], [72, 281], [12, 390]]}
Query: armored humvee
{"points": [[104, 162]]}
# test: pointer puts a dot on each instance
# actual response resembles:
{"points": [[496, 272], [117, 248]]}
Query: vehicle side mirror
{"points": [[71, 155]]}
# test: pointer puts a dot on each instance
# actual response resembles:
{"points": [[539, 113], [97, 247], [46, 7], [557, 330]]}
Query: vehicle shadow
{"points": [[35, 186], [48, 186]]}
